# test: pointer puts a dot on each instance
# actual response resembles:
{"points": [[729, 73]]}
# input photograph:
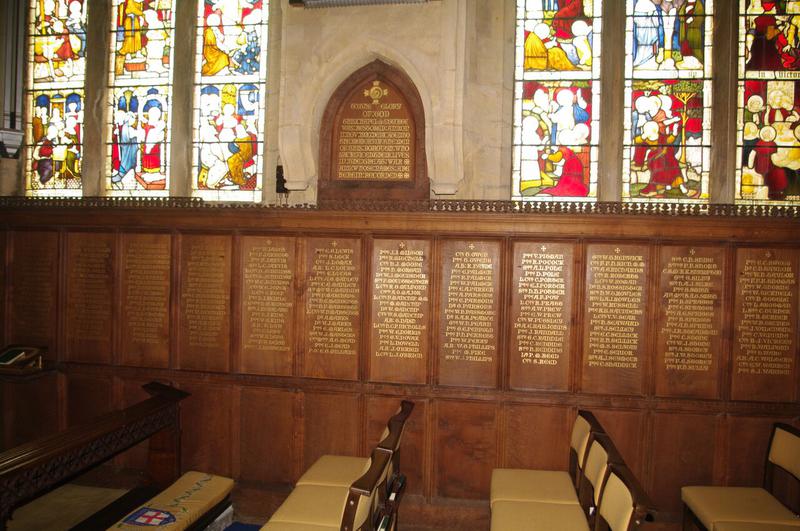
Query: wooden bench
{"points": [[349, 493]]}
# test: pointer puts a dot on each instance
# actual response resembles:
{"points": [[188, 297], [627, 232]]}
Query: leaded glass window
{"points": [[55, 97], [140, 92], [667, 117], [230, 97], [556, 99], [768, 150]]}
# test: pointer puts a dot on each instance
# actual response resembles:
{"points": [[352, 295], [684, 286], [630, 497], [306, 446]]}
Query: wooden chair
{"points": [[550, 486], [623, 504], [706, 507], [602, 453], [325, 507]]}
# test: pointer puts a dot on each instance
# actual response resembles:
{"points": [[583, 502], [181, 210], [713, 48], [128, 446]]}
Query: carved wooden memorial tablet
{"points": [[765, 325], [204, 332], [145, 264], [267, 302], [90, 290], [689, 324], [33, 289], [332, 308], [541, 309], [615, 302], [400, 311], [469, 313], [372, 139]]}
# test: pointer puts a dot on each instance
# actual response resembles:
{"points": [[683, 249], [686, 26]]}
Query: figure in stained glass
{"points": [[561, 41], [231, 36], [56, 138], [125, 138], [771, 41], [668, 34], [142, 38], [59, 41]]}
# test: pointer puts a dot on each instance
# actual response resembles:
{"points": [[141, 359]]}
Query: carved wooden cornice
{"points": [[347, 3]]}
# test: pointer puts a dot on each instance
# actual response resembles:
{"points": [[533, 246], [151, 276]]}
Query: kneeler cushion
{"points": [[749, 526], [181, 504], [735, 504], [517, 484], [335, 471], [537, 516]]}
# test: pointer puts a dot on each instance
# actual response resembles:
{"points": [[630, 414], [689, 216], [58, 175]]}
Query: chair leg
{"points": [[690, 521]]}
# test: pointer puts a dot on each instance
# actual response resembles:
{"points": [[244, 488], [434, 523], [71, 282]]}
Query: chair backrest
{"points": [[393, 433], [585, 424], [601, 453], [366, 495], [623, 504], [784, 452]]}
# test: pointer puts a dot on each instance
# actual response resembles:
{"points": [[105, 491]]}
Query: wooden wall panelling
{"points": [[269, 435], [127, 393], [465, 448], [4, 264], [33, 289], [536, 436], [30, 409], [683, 451], [615, 318], [469, 312], [540, 319], [88, 396], [267, 304], [333, 307], [207, 434], [205, 308], [414, 461], [144, 299], [332, 424], [689, 326], [400, 320], [629, 429], [765, 364]]}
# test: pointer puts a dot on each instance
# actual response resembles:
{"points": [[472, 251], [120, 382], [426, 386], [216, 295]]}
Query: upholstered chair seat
{"points": [[535, 516], [313, 505], [735, 504], [516, 484], [334, 471], [751, 526], [291, 526]]}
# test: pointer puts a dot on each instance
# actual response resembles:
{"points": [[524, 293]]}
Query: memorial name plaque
{"points": [[146, 261], [90, 290], [765, 325], [400, 311], [541, 307], [333, 308], [204, 333], [616, 300], [33, 289], [690, 321], [267, 300], [469, 313], [372, 138]]}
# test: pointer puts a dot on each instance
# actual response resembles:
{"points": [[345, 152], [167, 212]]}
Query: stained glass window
{"points": [[55, 97], [667, 118], [556, 99], [230, 97], [769, 102], [140, 89]]}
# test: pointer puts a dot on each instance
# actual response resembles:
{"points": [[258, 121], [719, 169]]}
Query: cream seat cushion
{"points": [[735, 504], [335, 471], [749, 526], [537, 516], [290, 526], [516, 484], [181, 504], [313, 505]]}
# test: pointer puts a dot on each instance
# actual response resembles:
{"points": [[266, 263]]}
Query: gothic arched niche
{"points": [[372, 138]]}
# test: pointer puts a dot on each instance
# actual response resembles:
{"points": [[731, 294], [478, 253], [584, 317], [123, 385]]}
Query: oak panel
{"points": [[267, 450], [627, 429], [88, 397], [332, 424], [537, 436], [131, 392], [465, 448], [30, 409], [206, 428]]}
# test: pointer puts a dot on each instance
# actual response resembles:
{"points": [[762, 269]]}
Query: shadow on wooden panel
{"points": [[206, 428], [88, 397], [267, 436], [537, 437], [131, 392], [626, 429], [30, 409], [465, 448]]}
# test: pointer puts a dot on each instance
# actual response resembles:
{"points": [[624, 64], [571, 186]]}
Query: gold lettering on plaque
{"points": [[541, 329], [205, 300], [400, 293], [90, 290], [689, 300], [766, 288], [267, 299], [333, 302], [470, 313], [615, 310], [147, 284], [33, 278]]}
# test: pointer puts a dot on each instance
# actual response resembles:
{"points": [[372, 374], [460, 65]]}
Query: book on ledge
{"points": [[19, 359]]}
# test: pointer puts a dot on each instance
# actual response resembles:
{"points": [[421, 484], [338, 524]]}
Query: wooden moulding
{"points": [[383, 89]]}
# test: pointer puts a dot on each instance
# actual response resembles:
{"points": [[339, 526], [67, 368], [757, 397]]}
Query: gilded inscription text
{"points": [[33, 275], [205, 301], [146, 271], [267, 297], [333, 301], [90, 290]]}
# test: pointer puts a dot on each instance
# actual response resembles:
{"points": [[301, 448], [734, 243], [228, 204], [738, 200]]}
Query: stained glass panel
{"points": [[768, 168], [140, 81], [230, 106], [556, 94], [667, 100], [55, 97]]}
